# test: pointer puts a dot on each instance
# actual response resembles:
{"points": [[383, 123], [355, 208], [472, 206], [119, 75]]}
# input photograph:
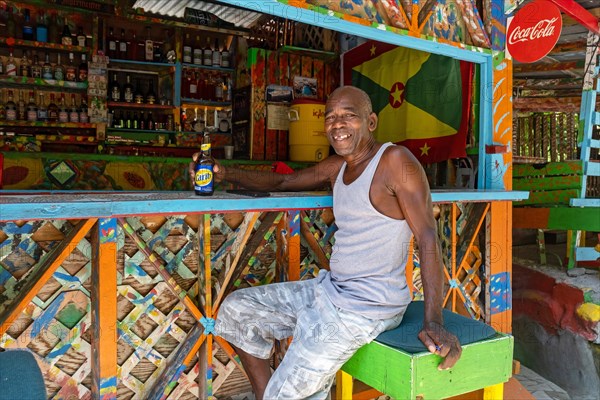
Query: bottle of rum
{"points": [[11, 64], [149, 46], [115, 89], [21, 108], [225, 55], [52, 109], [151, 96], [25, 65], [207, 53], [32, 111], [41, 30], [10, 108], [73, 110], [111, 44], [198, 51], [63, 111], [11, 25], [216, 54], [47, 72], [123, 46], [83, 69], [66, 38], [187, 49], [42, 112], [138, 97], [83, 111], [59, 70], [71, 70], [193, 90], [81, 38], [36, 67], [27, 26], [128, 90]]}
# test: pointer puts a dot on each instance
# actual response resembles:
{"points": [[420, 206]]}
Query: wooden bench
{"points": [[555, 189], [397, 364]]}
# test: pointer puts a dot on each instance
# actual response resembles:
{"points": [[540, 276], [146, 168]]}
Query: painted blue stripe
{"points": [[584, 202], [586, 254]]}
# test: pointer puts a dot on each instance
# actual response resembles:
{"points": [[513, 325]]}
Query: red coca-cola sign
{"points": [[534, 31]]}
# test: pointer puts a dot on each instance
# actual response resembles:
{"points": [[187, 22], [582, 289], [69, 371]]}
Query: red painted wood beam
{"points": [[579, 14]]}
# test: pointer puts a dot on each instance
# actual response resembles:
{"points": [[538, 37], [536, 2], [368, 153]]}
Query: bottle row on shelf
{"points": [[42, 108], [134, 48], [142, 93], [207, 86], [135, 120], [36, 24], [209, 56], [34, 68]]}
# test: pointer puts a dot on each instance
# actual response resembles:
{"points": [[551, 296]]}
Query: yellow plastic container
{"points": [[308, 141]]}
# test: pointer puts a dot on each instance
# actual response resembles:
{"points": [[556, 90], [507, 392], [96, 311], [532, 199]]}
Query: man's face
{"points": [[347, 122]]}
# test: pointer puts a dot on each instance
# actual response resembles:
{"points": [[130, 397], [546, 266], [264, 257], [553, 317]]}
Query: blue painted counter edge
{"points": [[29, 205]]}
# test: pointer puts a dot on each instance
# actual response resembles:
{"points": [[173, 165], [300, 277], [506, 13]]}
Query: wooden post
{"points": [[104, 309], [343, 386], [499, 266], [294, 245]]}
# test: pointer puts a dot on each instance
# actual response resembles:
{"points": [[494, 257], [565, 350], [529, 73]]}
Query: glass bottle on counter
{"points": [[203, 170], [42, 111], [10, 109], [32, 111], [21, 108], [41, 30], [128, 90], [11, 64], [63, 111], [149, 46], [36, 67], [59, 70], [83, 111], [52, 109], [27, 26], [66, 38], [47, 72], [83, 69], [71, 70], [73, 110], [115, 89], [81, 38]]}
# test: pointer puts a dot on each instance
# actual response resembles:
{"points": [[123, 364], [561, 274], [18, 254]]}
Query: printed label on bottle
{"points": [[36, 73], [128, 95], [115, 94], [74, 116], [187, 54], [11, 115], [58, 75], [11, 69], [42, 115], [205, 147], [112, 45], [83, 74], [193, 89], [32, 115], [63, 116], [123, 47], [71, 74], [47, 72], [203, 179], [149, 50], [83, 117]]}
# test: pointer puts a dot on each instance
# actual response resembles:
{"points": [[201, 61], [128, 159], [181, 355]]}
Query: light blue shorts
{"points": [[324, 336]]}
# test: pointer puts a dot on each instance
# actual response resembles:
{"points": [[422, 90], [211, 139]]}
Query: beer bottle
{"points": [[203, 176]]}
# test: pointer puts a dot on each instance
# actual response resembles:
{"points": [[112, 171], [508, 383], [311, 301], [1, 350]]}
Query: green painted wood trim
{"points": [[404, 376], [548, 183], [574, 167], [574, 218], [551, 197]]}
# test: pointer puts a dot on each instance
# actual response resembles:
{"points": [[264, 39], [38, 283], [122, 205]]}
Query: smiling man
{"points": [[380, 199]]}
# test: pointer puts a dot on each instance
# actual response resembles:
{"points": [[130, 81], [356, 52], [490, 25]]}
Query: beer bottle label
{"points": [[203, 179]]}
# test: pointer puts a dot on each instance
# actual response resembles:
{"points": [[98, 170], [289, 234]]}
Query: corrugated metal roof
{"points": [[239, 17]]}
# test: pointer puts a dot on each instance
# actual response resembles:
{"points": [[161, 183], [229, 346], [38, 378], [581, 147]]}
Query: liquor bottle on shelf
{"points": [[63, 111], [25, 67], [193, 91], [1, 66], [42, 112], [83, 111], [168, 53], [111, 44], [27, 26], [198, 51], [36, 67], [185, 83], [73, 110], [201, 87], [123, 46], [11, 25], [83, 69], [219, 94], [216, 54], [53, 29], [229, 90], [47, 72], [32, 111], [41, 30], [149, 46], [135, 122], [138, 97], [128, 90], [142, 121], [11, 64], [119, 121], [52, 109], [81, 38], [59, 70], [128, 123], [151, 96], [21, 108], [66, 38], [225, 55], [207, 53], [157, 55], [134, 52], [71, 70], [115, 89], [2, 108], [150, 125], [10, 108], [187, 49]]}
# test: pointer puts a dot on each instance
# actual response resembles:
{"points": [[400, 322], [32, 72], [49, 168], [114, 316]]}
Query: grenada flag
{"points": [[422, 99]]}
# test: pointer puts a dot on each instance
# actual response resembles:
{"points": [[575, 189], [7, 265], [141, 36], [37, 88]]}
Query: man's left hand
{"points": [[441, 342]]}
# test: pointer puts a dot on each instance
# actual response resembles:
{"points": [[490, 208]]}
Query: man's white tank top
{"points": [[369, 256]]}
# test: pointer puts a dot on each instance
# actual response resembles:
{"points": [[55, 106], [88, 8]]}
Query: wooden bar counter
{"points": [[115, 293]]}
